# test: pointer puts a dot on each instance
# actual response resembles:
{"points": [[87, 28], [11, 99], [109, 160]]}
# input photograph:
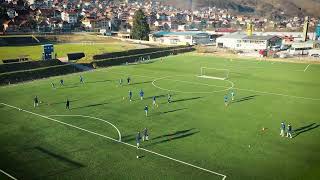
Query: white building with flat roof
{"points": [[241, 41], [180, 38], [229, 40]]}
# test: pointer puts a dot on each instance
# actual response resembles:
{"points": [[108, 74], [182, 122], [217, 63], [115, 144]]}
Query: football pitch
{"points": [[35, 51], [194, 137]]}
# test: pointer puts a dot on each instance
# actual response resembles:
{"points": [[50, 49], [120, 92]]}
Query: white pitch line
{"points": [[306, 68], [226, 87], [119, 134], [278, 94], [242, 89], [7, 174], [97, 134]]}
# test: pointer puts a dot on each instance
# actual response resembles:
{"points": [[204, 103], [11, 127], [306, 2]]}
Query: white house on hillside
{"points": [[69, 16]]}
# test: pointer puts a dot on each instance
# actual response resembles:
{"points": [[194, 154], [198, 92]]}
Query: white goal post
{"points": [[214, 73]]}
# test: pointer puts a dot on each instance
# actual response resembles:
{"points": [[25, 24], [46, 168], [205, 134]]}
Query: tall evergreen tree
{"points": [[141, 27]]}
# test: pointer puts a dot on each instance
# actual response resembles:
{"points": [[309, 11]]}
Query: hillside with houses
{"points": [[79, 15]]}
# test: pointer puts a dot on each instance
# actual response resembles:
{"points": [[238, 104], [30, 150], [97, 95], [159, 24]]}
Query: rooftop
{"points": [[260, 38], [184, 33], [236, 35], [242, 35]]}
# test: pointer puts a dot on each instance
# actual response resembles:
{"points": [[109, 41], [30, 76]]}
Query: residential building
{"points": [[69, 16], [180, 38]]}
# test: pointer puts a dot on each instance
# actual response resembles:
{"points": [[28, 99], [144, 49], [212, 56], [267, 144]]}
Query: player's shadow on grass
{"points": [[63, 102], [100, 81], [169, 111], [158, 96], [59, 157], [72, 165], [173, 134], [304, 129], [91, 105], [144, 82], [171, 137], [68, 86], [128, 138], [185, 99], [174, 110], [247, 98]]}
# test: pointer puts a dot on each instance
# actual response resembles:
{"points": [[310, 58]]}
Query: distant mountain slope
{"points": [[258, 7]]}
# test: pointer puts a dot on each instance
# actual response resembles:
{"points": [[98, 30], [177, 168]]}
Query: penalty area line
{"points": [[7, 174], [242, 89], [107, 137], [119, 133]]}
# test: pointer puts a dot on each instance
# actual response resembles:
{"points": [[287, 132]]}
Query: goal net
{"points": [[214, 73]]}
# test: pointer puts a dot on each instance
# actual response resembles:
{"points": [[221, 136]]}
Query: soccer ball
{"points": [[137, 157]]}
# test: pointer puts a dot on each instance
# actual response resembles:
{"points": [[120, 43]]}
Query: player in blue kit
{"points": [[154, 103], [226, 100], [141, 94]]}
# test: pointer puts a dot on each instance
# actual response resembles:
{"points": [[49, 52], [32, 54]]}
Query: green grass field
{"points": [[35, 52], [196, 128]]}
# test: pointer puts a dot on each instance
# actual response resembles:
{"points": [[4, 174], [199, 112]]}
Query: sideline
{"points": [[3, 172], [107, 137]]}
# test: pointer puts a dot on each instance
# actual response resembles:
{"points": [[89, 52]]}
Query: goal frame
{"points": [[202, 73]]}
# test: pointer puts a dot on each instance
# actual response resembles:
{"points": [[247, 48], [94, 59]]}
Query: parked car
{"points": [[314, 52], [276, 48]]}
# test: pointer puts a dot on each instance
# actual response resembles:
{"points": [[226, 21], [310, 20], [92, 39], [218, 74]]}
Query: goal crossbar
{"points": [[211, 77], [214, 73]]}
